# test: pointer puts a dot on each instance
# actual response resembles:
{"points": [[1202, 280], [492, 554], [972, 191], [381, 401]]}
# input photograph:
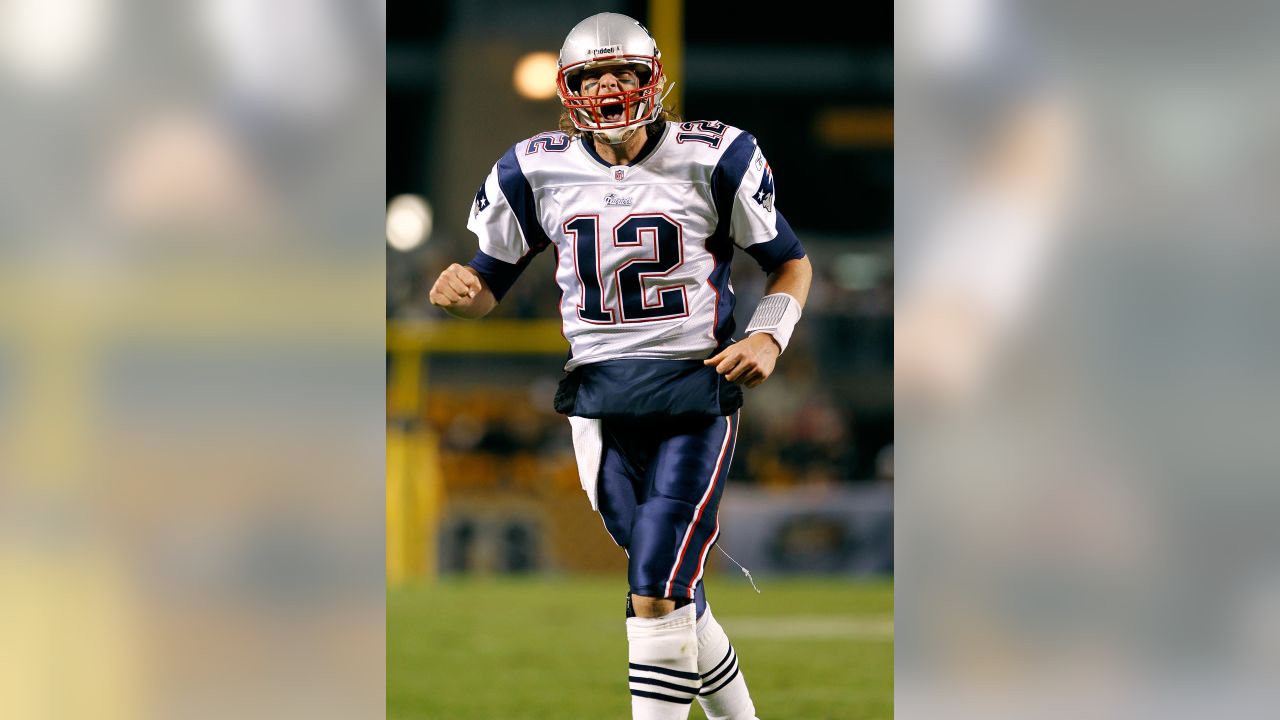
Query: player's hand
{"points": [[457, 285], [749, 362]]}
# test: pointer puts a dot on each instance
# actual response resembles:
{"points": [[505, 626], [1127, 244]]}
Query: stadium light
{"points": [[408, 222], [535, 76]]}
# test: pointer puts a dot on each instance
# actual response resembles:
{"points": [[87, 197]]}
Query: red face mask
{"points": [[610, 111]]}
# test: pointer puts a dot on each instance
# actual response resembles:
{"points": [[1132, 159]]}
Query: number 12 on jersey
{"points": [[660, 233]]}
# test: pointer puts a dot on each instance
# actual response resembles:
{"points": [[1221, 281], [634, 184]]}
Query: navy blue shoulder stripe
{"points": [[729, 172], [783, 247], [515, 187]]}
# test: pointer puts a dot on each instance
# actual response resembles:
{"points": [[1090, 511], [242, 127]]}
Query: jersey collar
{"points": [[645, 151]]}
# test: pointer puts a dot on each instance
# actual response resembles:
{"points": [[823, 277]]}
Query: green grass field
{"points": [[555, 648]]}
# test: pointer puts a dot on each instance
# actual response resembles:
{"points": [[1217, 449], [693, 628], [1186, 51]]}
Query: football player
{"points": [[643, 213]]}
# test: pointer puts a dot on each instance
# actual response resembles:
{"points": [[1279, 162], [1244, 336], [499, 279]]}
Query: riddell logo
{"points": [[611, 50], [612, 199]]}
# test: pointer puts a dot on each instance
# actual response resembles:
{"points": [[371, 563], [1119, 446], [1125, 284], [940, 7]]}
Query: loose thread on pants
{"points": [[744, 570]]}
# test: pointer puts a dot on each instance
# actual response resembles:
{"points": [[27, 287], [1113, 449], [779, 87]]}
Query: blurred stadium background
{"points": [[482, 490]]}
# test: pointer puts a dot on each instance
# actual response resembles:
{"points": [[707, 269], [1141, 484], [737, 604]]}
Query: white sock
{"points": [[724, 693], [664, 665]]}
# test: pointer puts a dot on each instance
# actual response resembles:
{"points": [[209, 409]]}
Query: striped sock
{"points": [[724, 693], [663, 665]]}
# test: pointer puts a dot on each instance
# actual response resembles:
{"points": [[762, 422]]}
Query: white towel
{"points": [[588, 445]]}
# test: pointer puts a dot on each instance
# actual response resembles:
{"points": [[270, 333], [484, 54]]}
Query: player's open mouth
{"points": [[611, 112]]}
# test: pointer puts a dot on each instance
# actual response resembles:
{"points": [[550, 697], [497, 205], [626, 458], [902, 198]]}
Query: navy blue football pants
{"points": [[659, 494]]}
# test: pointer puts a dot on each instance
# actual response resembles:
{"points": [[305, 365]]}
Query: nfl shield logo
{"points": [[618, 174]]}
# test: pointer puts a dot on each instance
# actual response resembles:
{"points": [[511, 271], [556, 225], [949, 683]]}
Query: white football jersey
{"points": [[642, 251]]}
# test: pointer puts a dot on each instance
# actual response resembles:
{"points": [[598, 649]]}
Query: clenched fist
{"points": [[749, 362], [459, 291]]}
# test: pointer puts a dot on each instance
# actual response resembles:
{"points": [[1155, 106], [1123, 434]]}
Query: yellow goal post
{"points": [[414, 482]]}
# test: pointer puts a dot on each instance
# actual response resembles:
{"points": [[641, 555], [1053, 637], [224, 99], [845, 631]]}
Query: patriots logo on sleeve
{"points": [[482, 200], [764, 195]]}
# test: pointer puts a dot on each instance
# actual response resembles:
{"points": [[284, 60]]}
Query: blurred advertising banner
{"points": [[839, 529]]}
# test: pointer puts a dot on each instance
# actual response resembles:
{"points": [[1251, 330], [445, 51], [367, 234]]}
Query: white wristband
{"points": [[777, 315]]}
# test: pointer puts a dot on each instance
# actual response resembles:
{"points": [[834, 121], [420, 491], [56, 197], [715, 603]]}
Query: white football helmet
{"points": [[604, 40]]}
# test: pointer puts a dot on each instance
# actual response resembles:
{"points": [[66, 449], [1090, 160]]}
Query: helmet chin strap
{"points": [[619, 136], [666, 92]]}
